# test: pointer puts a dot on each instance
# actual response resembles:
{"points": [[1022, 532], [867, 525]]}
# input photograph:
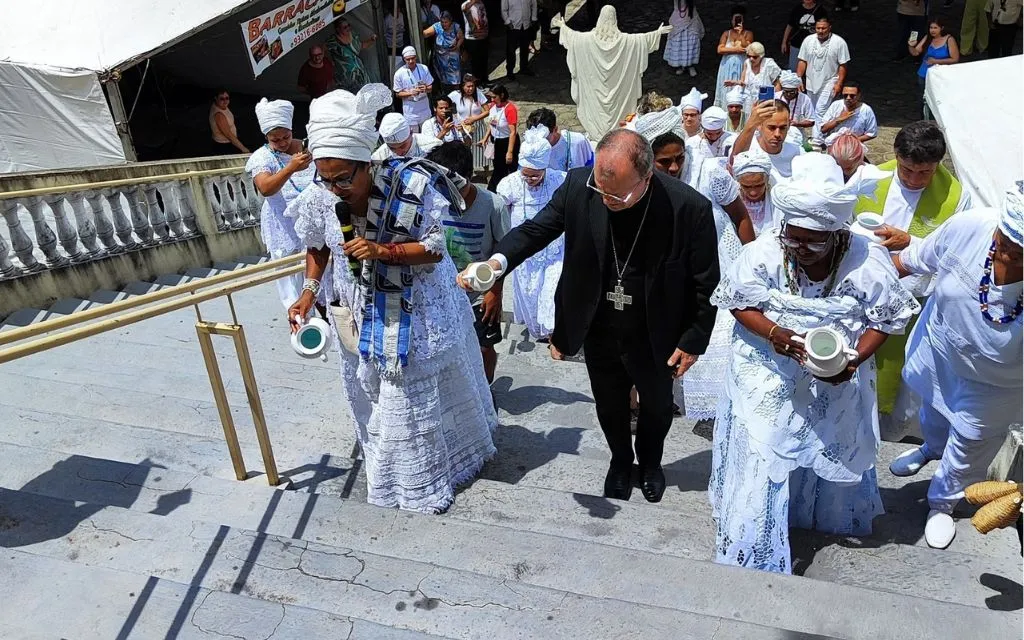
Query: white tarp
{"points": [[100, 34], [980, 106], [54, 119]]}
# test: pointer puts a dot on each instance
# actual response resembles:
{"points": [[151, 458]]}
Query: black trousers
{"points": [[501, 168], [617, 361], [517, 39], [904, 25], [1001, 38], [478, 54]]}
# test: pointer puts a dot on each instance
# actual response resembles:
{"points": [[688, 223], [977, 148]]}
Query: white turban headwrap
{"points": [[713, 118], [693, 100], [734, 96], [1011, 223], [816, 197], [408, 52], [341, 125], [789, 80], [394, 128], [274, 115], [535, 151], [657, 123], [751, 162]]}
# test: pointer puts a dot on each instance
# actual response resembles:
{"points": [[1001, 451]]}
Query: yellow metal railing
{"points": [[49, 334]]}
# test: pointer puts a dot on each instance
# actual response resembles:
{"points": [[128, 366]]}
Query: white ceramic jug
{"points": [[313, 339], [481, 276], [867, 224], [827, 352]]}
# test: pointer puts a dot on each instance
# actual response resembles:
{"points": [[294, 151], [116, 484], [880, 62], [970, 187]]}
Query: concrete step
{"points": [[106, 296], [23, 318], [95, 602], [139, 287], [397, 593], [228, 266], [203, 272], [598, 543], [172, 279], [67, 306]]}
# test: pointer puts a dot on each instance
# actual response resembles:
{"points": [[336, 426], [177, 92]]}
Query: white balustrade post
{"points": [[104, 227], [216, 199], [183, 196], [45, 238], [20, 242], [87, 232], [122, 225], [7, 268], [241, 198], [140, 219], [66, 233], [227, 204], [157, 217], [172, 207], [255, 200]]}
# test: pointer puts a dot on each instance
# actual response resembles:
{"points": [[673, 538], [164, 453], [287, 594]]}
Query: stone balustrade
{"points": [[55, 219]]}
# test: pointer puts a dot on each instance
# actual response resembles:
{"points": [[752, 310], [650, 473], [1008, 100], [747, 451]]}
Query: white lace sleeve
{"points": [[749, 282], [310, 211], [887, 304], [261, 161], [724, 188], [435, 209]]}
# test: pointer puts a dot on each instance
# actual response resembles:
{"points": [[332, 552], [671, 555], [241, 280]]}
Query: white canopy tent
{"points": [[980, 106]]}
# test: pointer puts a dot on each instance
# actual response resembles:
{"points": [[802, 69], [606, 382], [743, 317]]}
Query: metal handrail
{"points": [[122, 182], [32, 330]]}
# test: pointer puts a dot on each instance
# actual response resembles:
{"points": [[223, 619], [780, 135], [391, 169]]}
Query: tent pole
{"points": [[113, 92], [394, 38], [412, 12]]}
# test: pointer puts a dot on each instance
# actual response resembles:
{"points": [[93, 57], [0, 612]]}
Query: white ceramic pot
{"points": [[313, 339], [867, 224], [481, 276], [828, 353]]}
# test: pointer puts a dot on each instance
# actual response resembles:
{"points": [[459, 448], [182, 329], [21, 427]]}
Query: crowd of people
{"points": [[703, 258]]}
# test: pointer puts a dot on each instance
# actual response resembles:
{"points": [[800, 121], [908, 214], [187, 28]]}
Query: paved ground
{"points": [[890, 87]]}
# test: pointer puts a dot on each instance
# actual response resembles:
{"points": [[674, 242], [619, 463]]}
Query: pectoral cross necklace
{"points": [[618, 296]]}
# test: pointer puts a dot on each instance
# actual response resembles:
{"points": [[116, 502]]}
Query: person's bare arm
{"points": [[786, 35], [801, 69], [368, 42], [778, 336], [270, 183], [738, 214], [316, 265], [410, 253], [429, 32], [743, 141], [225, 130], [513, 139]]}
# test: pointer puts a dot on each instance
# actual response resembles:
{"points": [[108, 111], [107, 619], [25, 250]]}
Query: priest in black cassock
{"points": [[640, 266]]}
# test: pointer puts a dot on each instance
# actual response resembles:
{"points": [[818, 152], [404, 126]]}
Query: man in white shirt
{"points": [[445, 126], [400, 141], [822, 65], [711, 142], [569, 149], [849, 115], [767, 133], [413, 83], [1005, 18], [519, 17], [801, 109]]}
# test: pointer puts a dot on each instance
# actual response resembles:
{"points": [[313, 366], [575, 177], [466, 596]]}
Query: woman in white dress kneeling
{"points": [[791, 449], [964, 355], [411, 365]]}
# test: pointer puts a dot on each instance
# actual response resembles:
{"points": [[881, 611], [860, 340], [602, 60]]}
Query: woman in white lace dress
{"points": [[702, 384], [790, 449], [758, 71], [411, 365], [527, 191], [280, 170]]}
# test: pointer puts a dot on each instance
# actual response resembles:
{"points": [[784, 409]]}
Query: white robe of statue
{"points": [[607, 67]]}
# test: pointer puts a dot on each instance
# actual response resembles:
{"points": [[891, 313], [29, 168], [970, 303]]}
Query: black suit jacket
{"points": [[679, 233]]}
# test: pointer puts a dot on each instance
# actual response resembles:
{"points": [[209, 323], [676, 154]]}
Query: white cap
{"points": [[713, 118], [394, 128], [408, 52]]}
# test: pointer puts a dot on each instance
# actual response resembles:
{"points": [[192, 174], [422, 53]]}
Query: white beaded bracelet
{"points": [[312, 286]]}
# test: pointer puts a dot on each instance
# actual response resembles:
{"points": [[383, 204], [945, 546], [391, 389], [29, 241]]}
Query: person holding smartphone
{"points": [[732, 46], [445, 125]]}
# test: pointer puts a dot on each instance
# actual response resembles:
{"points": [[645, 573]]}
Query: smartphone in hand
{"points": [[913, 38], [765, 94]]}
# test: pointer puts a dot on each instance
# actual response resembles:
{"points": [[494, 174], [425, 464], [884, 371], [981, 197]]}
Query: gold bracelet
{"points": [[771, 331]]}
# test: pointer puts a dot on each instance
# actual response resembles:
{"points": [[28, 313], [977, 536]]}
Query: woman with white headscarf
{"points": [[527, 191], [791, 449], [964, 354], [752, 172], [281, 170], [734, 100], [410, 362]]}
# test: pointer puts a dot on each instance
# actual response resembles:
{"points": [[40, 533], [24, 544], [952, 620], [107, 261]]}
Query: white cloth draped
{"points": [[607, 67]]}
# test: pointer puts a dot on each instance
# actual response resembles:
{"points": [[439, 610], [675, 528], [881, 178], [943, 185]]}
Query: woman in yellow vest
{"points": [[918, 198]]}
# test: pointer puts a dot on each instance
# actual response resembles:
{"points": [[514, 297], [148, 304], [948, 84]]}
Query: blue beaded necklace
{"points": [[986, 283]]}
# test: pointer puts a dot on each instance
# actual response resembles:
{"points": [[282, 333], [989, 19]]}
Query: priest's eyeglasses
{"points": [[623, 200]]}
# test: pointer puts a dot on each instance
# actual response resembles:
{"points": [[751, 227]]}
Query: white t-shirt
{"points": [[500, 119], [823, 60], [782, 162], [417, 108], [465, 107], [802, 110], [862, 123]]}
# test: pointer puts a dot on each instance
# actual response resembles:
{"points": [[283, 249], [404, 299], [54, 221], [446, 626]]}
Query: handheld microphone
{"points": [[348, 232]]}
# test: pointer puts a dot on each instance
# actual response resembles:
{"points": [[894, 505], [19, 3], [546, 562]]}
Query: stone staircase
{"points": [[120, 516]]}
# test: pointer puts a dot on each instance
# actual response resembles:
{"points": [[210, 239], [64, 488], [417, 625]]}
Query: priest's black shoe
{"points": [[652, 484], [618, 484]]}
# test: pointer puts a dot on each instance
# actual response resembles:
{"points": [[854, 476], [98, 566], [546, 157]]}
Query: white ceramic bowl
{"points": [[313, 339]]}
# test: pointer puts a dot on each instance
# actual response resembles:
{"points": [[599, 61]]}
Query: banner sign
{"points": [[275, 33]]}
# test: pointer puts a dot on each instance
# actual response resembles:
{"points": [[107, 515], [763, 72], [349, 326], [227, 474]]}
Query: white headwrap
{"points": [[734, 96], [394, 128], [713, 118], [274, 115], [693, 100], [816, 197], [789, 80], [751, 162], [341, 125], [408, 52], [1011, 223], [656, 123], [535, 151]]}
